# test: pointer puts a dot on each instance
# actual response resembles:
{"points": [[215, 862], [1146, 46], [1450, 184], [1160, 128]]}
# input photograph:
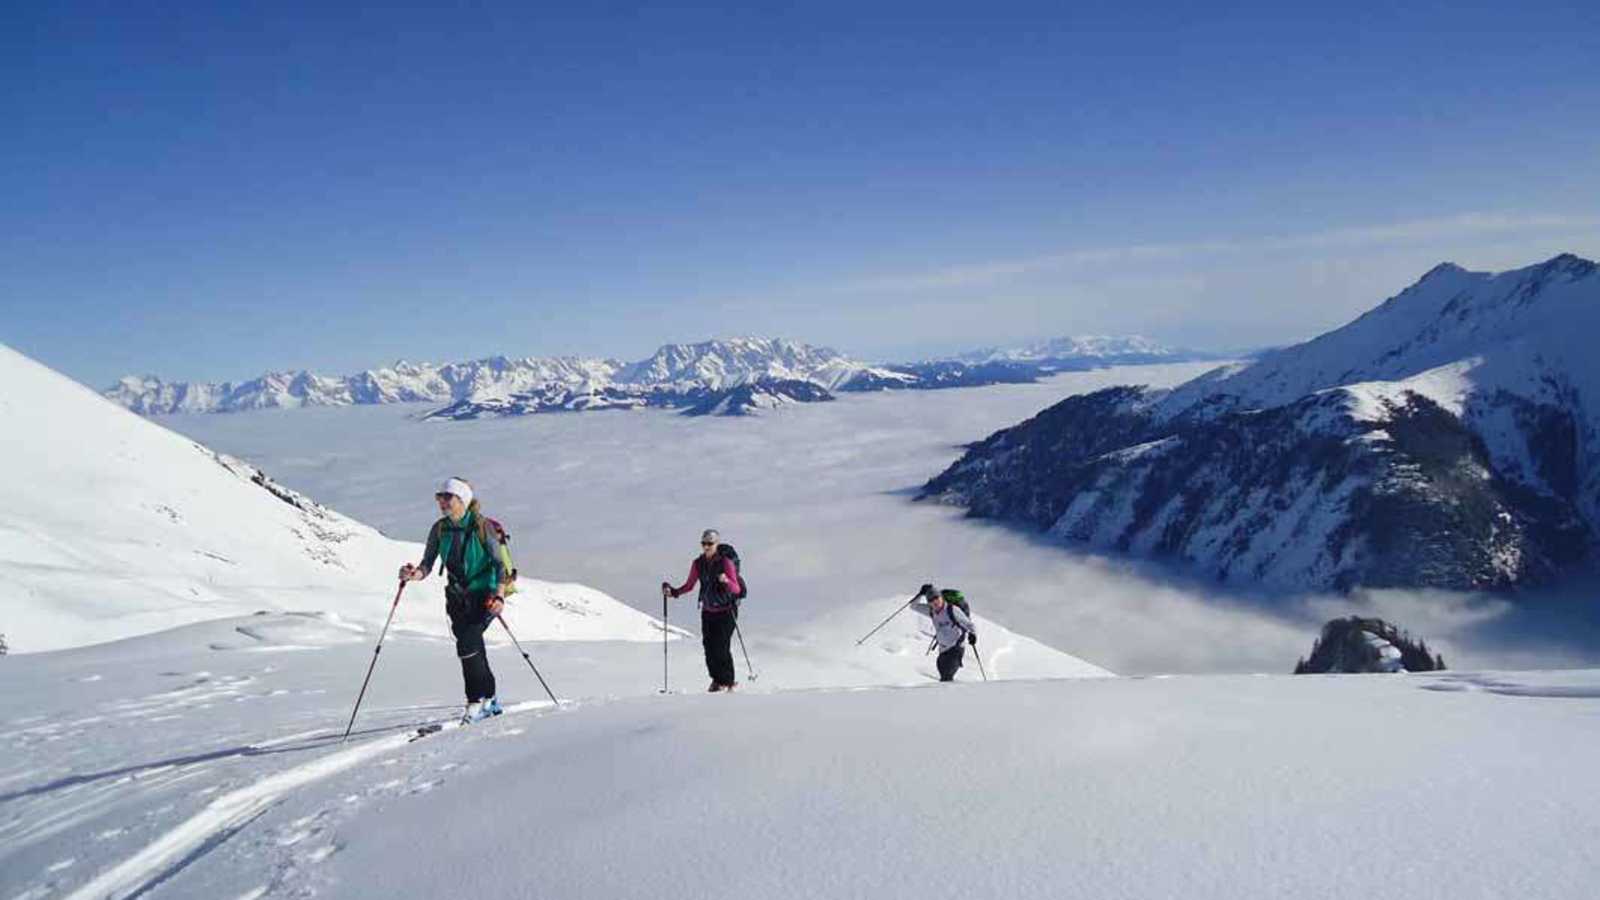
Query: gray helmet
{"points": [[710, 536]]}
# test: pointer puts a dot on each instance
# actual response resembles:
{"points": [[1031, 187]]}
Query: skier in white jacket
{"points": [[950, 626]]}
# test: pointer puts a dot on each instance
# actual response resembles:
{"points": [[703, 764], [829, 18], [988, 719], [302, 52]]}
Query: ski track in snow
{"points": [[228, 814], [297, 838], [136, 799]]}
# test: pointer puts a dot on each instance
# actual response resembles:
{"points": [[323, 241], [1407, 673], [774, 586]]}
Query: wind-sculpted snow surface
{"points": [[181, 760], [174, 770], [1446, 439]]}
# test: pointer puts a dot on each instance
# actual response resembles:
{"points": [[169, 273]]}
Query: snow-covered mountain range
{"points": [[111, 526], [684, 376], [1448, 438], [1100, 349]]}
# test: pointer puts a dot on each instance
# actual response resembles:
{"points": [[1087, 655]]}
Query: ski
{"points": [[424, 731]]}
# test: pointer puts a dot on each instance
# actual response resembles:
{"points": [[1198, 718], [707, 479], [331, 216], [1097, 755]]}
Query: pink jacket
{"points": [[694, 577]]}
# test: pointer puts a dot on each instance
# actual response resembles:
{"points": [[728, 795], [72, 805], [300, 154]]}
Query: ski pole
{"points": [[529, 660], [374, 664], [979, 655], [886, 621], [747, 667], [664, 688]]}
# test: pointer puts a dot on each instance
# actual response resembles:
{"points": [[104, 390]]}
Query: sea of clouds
{"points": [[818, 499]]}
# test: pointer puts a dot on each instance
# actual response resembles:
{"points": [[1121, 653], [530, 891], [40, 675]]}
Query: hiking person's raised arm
{"points": [[694, 579], [430, 553]]}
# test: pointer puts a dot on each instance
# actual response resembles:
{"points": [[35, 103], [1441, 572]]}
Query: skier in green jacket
{"points": [[473, 594]]}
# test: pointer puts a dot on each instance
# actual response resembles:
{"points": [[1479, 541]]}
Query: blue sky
{"points": [[207, 193]]}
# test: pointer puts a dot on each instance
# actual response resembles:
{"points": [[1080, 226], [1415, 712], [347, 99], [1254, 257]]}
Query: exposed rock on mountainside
{"points": [[1448, 438]]}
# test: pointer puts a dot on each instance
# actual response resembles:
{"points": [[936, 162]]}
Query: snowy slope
{"points": [[1449, 438], [1540, 314], [111, 525], [1219, 787], [125, 763], [226, 779]]}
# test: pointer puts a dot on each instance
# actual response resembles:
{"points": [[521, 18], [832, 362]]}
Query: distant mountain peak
{"points": [[1568, 263], [1107, 349]]}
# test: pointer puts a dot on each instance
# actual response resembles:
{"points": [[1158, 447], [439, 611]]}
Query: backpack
{"points": [[485, 525], [726, 551], [506, 565]]}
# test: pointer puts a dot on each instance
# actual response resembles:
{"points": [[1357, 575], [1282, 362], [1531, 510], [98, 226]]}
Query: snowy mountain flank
{"points": [[692, 377], [112, 526], [1448, 438]]}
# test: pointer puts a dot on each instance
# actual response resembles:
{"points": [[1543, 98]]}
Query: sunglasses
{"points": [[708, 543]]}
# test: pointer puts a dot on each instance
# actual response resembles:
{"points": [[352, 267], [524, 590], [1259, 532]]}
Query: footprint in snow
{"points": [[321, 853], [300, 829]]}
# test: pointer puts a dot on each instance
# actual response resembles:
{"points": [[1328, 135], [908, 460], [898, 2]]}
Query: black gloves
{"points": [[972, 639], [666, 588]]}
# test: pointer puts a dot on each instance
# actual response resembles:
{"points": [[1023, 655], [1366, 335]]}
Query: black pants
{"points": [[716, 633], [950, 661], [468, 622]]}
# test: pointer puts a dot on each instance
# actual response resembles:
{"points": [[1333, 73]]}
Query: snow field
{"points": [[155, 752], [1204, 787], [185, 771]]}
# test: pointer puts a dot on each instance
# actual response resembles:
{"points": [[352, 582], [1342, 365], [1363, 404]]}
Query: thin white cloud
{"points": [[1396, 233]]}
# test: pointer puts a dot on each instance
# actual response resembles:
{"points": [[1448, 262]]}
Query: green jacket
{"points": [[470, 554]]}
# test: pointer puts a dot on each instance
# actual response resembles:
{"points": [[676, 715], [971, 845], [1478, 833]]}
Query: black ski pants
{"points": [[468, 621], [716, 633], [950, 661]]}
